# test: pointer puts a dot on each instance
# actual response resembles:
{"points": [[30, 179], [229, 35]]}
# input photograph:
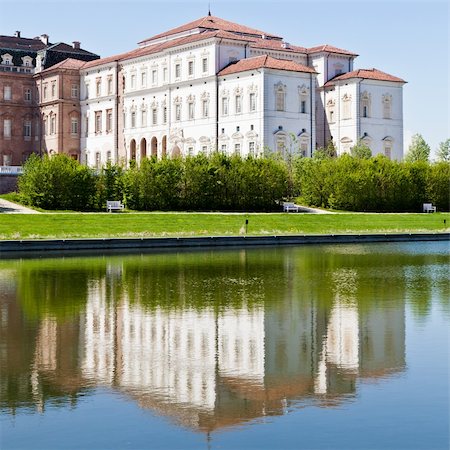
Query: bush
{"points": [[57, 183]]}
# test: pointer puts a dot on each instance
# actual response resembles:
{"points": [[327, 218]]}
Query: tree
{"points": [[419, 150], [325, 152], [443, 153], [361, 151]]}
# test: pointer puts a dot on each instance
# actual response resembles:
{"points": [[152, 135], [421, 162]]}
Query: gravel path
{"points": [[7, 207]]}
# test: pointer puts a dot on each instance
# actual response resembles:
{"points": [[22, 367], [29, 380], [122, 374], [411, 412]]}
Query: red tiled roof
{"points": [[106, 60], [330, 49], [368, 74], [68, 63], [211, 23], [264, 61]]}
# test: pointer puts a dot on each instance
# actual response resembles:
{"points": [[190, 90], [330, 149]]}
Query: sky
{"points": [[404, 38]]}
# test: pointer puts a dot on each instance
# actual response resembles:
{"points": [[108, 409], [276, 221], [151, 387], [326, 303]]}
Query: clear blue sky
{"points": [[404, 38]]}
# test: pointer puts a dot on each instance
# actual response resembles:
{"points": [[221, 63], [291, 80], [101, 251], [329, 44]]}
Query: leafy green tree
{"points": [[361, 151], [325, 152], [443, 153], [419, 150]]}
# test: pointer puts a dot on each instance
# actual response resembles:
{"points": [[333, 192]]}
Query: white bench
{"points": [[429, 208], [290, 207], [114, 205]]}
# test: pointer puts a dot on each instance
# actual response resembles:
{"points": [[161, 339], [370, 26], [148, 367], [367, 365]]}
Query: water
{"points": [[311, 347]]}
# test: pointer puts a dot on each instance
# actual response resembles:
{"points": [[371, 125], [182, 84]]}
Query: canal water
{"points": [[336, 347]]}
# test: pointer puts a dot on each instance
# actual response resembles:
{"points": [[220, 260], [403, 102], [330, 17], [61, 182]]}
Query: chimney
{"points": [[44, 38], [17, 34], [76, 44]]}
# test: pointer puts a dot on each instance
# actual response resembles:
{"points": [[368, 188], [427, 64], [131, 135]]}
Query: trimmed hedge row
{"points": [[233, 183], [374, 184]]}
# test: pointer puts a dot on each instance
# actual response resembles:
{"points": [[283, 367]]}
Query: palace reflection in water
{"points": [[209, 339]]}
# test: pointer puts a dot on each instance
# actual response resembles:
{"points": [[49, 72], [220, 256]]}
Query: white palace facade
{"points": [[216, 85]]}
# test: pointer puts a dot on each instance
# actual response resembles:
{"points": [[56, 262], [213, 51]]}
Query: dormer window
{"points": [[7, 59], [27, 61]]}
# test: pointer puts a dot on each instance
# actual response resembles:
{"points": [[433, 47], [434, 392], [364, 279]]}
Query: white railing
{"points": [[11, 170]]}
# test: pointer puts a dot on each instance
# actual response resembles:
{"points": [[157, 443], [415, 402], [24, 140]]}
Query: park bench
{"points": [[290, 207], [429, 208], [114, 205]]}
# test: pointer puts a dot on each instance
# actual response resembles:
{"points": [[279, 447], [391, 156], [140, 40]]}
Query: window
{"points": [[7, 128], [53, 90], [133, 119], [27, 95], [98, 160], [204, 149], [223, 148], [109, 85], [177, 112], [165, 114], [252, 101], [164, 74], [303, 148], [154, 76], [205, 65], [281, 145], [224, 106], [98, 122], [303, 106], [74, 126], [7, 93], [133, 81], [45, 126], [191, 68], [251, 148], [74, 91], [45, 92], [86, 88], [387, 151], [7, 59], [108, 156], [109, 120], [144, 118], [143, 79], [387, 106], [177, 70], [53, 124], [27, 130], [86, 124], [190, 151], [98, 87], [205, 108], [237, 148], [346, 107], [191, 110], [280, 98], [238, 104], [365, 104], [154, 116]]}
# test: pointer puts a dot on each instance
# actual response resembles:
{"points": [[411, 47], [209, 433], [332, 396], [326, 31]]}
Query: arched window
{"points": [[387, 146]]}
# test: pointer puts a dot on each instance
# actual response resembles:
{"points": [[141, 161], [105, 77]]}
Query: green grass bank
{"points": [[103, 225]]}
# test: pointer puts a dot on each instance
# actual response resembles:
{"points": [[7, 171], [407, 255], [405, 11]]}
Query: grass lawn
{"points": [[98, 225]]}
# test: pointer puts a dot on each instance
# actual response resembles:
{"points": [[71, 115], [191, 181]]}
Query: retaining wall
{"points": [[63, 245]]}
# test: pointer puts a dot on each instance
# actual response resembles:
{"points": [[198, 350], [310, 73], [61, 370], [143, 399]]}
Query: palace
{"points": [[207, 85]]}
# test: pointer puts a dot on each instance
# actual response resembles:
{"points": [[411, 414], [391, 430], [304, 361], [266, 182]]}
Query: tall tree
{"points": [[443, 153], [419, 150], [361, 151]]}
